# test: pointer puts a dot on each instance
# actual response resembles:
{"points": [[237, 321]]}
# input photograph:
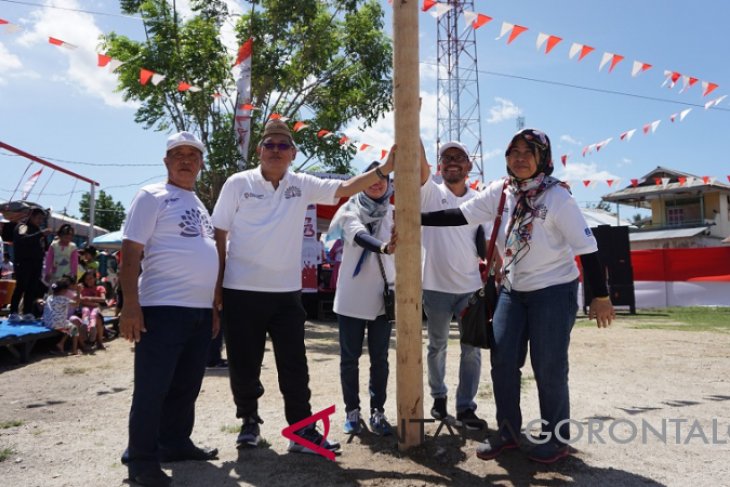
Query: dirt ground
{"points": [[74, 415]]}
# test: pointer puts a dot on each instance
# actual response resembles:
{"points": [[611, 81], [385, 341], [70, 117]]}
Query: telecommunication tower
{"points": [[457, 111]]}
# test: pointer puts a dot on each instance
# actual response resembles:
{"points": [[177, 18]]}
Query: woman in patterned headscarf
{"points": [[541, 232]]}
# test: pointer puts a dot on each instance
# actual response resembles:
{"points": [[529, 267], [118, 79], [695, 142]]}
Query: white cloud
{"points": [[570, 140], [81, 30], [492, 154], [625, 162], [8, 63], [503, 110], [579, 171]]}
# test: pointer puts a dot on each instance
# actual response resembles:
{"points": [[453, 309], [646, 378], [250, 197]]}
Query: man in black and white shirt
{"points": [[258, 222]]}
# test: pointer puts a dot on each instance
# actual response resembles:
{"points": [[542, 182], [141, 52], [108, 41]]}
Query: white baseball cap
{"points": [[455, 145], [184, 138]]}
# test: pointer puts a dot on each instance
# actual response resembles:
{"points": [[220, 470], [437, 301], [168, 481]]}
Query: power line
{"points": [[31, 4], [95, 164]]}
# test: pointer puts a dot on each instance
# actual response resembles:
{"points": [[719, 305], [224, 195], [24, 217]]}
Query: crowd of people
{"points": [[57, 284], [246, 259]]}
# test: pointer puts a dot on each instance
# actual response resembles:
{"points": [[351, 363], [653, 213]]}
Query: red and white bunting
{"points": [[627, 135], [651, 127], [11, 28], [552, 41], [514, 31], [60, 43], [687, 82], [145, 75], [639, 67], [708, 87], [28, 186], [609, 56], [383, 153], [427, 4], [671, 78], [299, 126], [583, 49], [564, 159], [364, 147], [158, 78], [322, 133], [476, 20], [103, 60], [182, 86], [244, 52], [715, 102], [441, 8], [344, 140]]}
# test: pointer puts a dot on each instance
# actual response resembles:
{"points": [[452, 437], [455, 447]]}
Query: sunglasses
{"points": [[281, 146]]}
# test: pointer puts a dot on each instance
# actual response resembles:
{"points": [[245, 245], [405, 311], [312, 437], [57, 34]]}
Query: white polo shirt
{"points": [[180, 263], [361, 296], [265, 228], [450, 262], [559, 233]]}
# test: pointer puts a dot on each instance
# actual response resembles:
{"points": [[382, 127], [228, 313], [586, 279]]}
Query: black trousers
{"points": [[28, 285], [247, 317]]}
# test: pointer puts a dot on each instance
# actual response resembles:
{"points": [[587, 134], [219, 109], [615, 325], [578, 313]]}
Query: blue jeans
{"points": [[544, 318], [439, 308], [169, 365], [352, 336]]}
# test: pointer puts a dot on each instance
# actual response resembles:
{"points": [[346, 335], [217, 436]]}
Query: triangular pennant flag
{"points": [[480, 20], [247, 106], [658, 181], [474, 185], [3, 21], [665, 181], [672, 117], [157, 78], [244, 52], [182, 86], [516, 31], [728, 179], [586, 182], [322, 133], [275, 116], [114, 64], [691, 180], [541, 38], [60, 43], [584, 50], [585, 149], [654, 125], [682, 180], [552, 41], [103, 60], [564, 159], [427, 4], [441, 9], [609, 56], [634, 182], [28, 186], [609, 182], [299, 126], [195, 89], [145, 75], [708, 87], [364, 146], [344, 140], [705, 179], [639, 67], [603, 143], [627, 135], [383, 153], [684, 113], [646, 128], [687, 82]]}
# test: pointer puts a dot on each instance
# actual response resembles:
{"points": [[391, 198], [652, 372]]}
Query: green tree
{"points": [[107, 213], [327, 62]]}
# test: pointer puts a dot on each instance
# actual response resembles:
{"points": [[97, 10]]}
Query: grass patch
{"points": [[74, 370], [10, 424], [6, 453]]}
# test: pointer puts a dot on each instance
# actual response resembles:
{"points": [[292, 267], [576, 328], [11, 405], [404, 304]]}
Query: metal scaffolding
{"points": [[458, 111]]}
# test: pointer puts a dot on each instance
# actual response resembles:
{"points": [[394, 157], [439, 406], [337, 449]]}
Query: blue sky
{"points": [[58, 105]]}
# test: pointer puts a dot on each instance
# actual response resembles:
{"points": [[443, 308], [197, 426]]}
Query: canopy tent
{"points": [[109, 241]]}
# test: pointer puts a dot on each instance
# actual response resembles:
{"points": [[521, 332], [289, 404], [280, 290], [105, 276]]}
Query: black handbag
{"points": [[388, 294], [476, 319]]}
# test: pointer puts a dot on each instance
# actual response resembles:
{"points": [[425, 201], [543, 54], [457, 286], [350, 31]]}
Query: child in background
{"points": [[56, 316], [92, 297], [87, 261], [62, 257]]}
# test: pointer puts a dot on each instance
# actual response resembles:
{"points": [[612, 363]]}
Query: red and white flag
{"points": [[242, 119], [28, 186]]}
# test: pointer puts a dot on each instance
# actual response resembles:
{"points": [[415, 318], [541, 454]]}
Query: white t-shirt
{"points": [[449, 256], [265, 228], [559, 233], [362, 296], [180, 263]]}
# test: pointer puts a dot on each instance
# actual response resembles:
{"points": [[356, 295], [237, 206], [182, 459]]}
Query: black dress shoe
{"points": [[195, 453], [153, 478]]}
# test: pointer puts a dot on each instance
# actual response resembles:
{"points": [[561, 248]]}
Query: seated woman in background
{"points": [[56, 316], [91, 298]]}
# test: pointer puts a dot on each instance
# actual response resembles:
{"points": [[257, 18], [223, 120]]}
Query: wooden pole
{"points": [[409, 348]]}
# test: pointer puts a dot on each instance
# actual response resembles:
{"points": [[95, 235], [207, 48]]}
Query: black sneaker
{"points": [[310, 433], [250, 434], [492, 447], [438, 411], [469, 420]]}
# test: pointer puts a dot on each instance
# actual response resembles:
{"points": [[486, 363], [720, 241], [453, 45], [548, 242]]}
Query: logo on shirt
{"points": [[444, 201], [293, 192], [588, 232], [253, 195], [195, 223], [171, 200]]}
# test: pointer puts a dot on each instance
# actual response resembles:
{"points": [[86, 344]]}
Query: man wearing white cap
{"points": [[450, 276], [168, 312], [258, 222]]}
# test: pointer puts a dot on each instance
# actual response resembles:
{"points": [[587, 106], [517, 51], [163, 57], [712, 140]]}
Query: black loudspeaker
{"points": [[615, 254]]}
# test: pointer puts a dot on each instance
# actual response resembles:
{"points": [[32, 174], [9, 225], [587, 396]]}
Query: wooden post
{"points": [[409, 351]]}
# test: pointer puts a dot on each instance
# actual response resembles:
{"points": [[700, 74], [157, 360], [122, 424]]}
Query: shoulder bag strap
{"points": [[495, 228]]}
